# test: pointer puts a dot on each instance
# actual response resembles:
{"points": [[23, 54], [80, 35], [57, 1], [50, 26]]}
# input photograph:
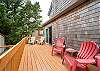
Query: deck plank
{"points": [[29, 62], [45, 67], [34, 65], [21, 66], [25, 60], [39, 58]]}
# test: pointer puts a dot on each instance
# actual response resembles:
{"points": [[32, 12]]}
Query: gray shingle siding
{"points": [[80, 24]]}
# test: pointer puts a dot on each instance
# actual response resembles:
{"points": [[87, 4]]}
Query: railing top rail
{"points": [[6, 46]]}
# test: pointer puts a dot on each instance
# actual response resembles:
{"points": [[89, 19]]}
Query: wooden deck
{"points": [[39, 58], [25, 57]]}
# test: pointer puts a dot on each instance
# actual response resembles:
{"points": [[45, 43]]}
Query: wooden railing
{"points": [[6, 46], [10, 60]]}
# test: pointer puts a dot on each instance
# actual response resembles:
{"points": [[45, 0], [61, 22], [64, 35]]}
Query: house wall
{"points": [[57, 6], [1, 43], [38, 32], [80, 24]]}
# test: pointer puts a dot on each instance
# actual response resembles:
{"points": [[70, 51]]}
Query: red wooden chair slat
{"points": [[87, 50], [85, 56], [82, 49], [91, 52]]}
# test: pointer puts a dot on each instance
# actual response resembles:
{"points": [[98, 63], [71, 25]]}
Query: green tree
{"points": [[18, 19]]}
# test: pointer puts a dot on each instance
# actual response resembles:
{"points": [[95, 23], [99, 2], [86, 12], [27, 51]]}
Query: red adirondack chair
{"points": [[86, 55], [58, 46], [97, 57]]}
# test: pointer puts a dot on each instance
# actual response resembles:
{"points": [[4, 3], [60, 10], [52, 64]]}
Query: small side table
{"points": [[71, 51]]}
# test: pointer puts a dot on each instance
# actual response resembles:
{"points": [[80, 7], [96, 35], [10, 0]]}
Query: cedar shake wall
{"points": [[59, 5], [80, 24]]}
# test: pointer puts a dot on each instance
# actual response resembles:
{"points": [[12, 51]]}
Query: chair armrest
{"points": [[97, 57], [63, 46], [86, 61], [53, 45]]}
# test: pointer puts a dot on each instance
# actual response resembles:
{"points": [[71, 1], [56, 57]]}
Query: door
{"points": [[47, 35], [50, 35]]}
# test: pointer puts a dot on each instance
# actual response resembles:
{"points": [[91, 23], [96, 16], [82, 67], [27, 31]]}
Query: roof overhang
{"points": [[69, 7]]}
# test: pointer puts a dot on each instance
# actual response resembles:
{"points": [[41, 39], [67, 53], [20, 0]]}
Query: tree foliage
{"points": [[18, 19]]}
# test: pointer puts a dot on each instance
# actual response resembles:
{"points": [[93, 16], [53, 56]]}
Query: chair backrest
{"points": [[32, 39], [88, 50], [42, 39], [59, 41]]}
